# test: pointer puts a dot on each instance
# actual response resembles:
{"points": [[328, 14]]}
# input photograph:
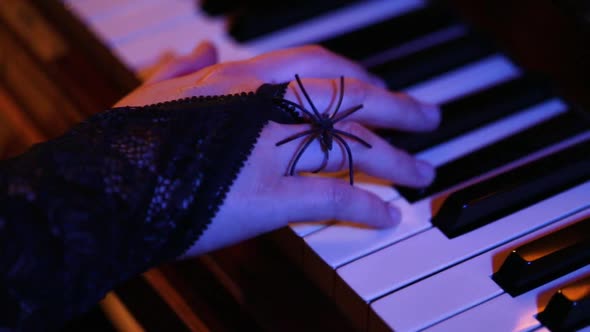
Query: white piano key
{"points": [[306, 228], [330, 24], [472, 77], [291, 242], [144, 52], [94, 10], [430, 251], [457, 289], [342, 243], [413, 46], [384, 190], [492, 132], [506, 313], [184, 35], [145, 19], [215, 29], [180, 38]]}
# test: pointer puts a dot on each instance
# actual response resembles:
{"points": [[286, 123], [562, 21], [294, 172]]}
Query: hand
{"points": [[171, 65], [262, 198]]}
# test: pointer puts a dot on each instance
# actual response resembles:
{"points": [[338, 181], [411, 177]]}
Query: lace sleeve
{"points": [[124, 191]]}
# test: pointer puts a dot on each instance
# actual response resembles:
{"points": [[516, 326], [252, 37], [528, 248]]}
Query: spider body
{"points": [[326, 127], [322, 128]]}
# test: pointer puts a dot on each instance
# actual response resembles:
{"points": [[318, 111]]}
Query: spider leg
{"points": [[300, 152], [294, 136], [339, 98], [349, 153], [324, 163], [299, 107], [347, 113], [362, 141], [315, 110]]}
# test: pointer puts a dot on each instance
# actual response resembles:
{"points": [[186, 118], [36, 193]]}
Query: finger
{"points": [[381, 108], [203, 55], [309, 61], [315, 199], [381, 160]]}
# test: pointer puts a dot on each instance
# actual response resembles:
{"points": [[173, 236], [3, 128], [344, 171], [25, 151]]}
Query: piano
{"points": [[500, 241]]}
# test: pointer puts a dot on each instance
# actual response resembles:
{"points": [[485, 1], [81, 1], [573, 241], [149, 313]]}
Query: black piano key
{"points": [[504, 151], [473, 111], [232, 7], [255, 21], [545, 259], [506, 193], [221, 7], [391, 33], [569, 308], [93, 320], [414, 68]]}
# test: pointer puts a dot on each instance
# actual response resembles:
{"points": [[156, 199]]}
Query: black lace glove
{"points": [[122, 192]]}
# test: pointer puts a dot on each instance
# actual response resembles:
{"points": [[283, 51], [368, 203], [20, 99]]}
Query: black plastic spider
{"points": [[322, 128]]}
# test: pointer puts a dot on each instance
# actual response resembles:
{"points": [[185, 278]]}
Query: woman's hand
{"points": [[263, 198]]}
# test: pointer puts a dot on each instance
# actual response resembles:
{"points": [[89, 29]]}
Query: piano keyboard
{"points": [[513, 161]]}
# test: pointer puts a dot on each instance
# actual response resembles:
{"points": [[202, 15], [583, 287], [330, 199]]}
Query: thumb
{"points": [[318, 198], [203, 55]]}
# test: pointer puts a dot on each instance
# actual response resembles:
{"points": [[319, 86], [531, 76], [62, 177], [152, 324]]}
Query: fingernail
{"points": [[425, 170], [431, 112], [395, 214]]}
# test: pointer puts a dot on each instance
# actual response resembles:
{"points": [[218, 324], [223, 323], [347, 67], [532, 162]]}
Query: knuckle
{"points": [[410, 101], [356, 90], [355, 129], [352, 127], [221, 71], [316, 50], [208, 74], [339, 196], [217, 70]]}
